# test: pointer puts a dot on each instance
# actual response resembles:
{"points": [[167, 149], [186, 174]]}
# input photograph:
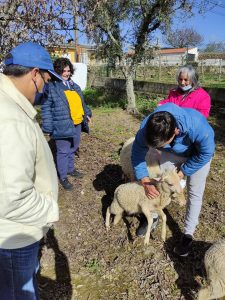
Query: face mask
{"points": [[41, 96], [185, 88]]}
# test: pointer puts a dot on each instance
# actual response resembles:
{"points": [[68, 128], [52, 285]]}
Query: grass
{"points": [[208, 80], [100, 98], [93, 266], [97, 97]]}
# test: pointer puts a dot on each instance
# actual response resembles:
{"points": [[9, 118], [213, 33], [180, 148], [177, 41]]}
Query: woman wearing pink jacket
{"points": [[188, 93]]}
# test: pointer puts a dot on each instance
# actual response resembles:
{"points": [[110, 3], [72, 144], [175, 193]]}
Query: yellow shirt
{"points": [[76, 107]]}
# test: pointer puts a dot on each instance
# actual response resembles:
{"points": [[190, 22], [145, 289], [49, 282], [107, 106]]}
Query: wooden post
{"points": [[75, 35], [220, 69], [202, 69], [159, 65]]}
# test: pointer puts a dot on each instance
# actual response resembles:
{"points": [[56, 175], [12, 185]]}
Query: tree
{"points": [[111, 24], [114, 24], [215, 47], [185, 37], [32, 20]]}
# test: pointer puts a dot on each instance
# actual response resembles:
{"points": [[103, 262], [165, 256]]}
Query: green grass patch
{"points": [[146, 104], [99, 97], [107, 102], [93, 266]]}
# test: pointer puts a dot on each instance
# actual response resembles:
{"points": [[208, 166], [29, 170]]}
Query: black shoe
{"points": [[184, 246], [76, 174], [141, 231], [66, 184]]}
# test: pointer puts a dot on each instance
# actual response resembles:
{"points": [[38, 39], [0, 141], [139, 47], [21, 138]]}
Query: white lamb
{"points": [[131, 198], [151, 160], [215, 270]]}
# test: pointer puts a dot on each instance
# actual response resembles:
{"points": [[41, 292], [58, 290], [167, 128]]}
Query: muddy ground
{"points": [[81, 261]]}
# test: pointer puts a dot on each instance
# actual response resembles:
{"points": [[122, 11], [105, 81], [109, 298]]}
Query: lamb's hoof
{"points": [[146, 243], [107, 228]]}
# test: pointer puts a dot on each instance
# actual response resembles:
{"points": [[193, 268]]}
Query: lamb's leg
{"points": [[116, 210], [107, 219], [217, 285], [215, 290], [117, 218], [163, 232], [204, 294], [149, 218]]}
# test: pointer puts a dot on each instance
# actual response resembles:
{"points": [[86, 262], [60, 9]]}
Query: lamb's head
{"points": [[173, 180], [179, 198], [170, 183]]}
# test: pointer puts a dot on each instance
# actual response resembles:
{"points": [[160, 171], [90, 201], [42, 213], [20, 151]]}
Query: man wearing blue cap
{"points": [[28, 179]]}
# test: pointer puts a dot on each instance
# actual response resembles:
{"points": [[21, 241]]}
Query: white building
{"points": [[175, 56]]}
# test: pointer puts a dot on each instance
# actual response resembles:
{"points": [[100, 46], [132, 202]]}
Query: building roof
{"points": [[72, 46], [173, 50]]}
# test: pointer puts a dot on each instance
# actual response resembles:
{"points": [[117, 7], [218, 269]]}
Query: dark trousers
{"points": [[65, 153]]}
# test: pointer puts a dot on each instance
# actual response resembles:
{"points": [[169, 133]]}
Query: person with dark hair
{"points": [[28, 178], [160, 128], [188, 92], [185, 140], [64, 116]]}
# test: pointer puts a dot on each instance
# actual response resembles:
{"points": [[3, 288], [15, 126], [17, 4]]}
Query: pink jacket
{"points": [[198, 99]]}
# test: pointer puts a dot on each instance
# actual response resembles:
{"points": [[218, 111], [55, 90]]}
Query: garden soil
{"points": [[80, 260]]}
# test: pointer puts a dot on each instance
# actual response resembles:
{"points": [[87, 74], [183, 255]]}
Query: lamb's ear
{"points": [[175, 170], [163, 177], [158, 179]]}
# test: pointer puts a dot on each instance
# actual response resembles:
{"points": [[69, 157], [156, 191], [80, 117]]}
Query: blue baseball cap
{"points": [[32, 55]]}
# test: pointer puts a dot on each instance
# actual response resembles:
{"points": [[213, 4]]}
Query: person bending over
{"points": [[185, 140]]}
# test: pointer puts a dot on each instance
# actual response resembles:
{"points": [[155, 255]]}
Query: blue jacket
{"points": [[195, 141], [56, 118]]}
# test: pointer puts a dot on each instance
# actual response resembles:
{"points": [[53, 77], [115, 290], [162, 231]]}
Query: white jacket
{"points": [[28, 179]]}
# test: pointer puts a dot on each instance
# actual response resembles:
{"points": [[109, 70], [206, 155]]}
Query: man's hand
{"points": [[150, 189]]}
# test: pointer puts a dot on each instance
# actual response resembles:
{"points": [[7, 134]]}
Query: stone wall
{"points": [[148, 88]]}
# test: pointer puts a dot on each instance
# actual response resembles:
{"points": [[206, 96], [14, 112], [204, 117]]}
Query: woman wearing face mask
{"points": [[188, 93], [64, 116]]}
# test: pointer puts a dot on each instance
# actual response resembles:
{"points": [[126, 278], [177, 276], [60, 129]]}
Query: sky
{"points": [[211, 25]]}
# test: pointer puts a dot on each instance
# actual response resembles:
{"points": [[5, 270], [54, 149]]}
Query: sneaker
{"points": [[76, 174], [184, 246], [141, 231], [66, 184]]}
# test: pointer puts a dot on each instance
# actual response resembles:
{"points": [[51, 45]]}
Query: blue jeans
{"points": [[65, 153], [18, 269]]}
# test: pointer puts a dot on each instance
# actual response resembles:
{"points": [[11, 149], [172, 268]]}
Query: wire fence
{"points": [[211, 72]]}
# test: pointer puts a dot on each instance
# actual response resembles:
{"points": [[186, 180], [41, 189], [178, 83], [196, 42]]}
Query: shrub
{"points": [[98, 97], [146, 104]]}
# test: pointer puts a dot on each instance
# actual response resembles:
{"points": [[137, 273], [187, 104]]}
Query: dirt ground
{"points": [[80, 260]]}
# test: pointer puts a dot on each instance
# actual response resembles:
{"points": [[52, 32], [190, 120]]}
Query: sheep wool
{"points": [[131, 198], [215, 269], [151, 160]]}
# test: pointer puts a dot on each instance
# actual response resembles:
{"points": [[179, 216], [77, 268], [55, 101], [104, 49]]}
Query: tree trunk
{"points": [[131, 106]]}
